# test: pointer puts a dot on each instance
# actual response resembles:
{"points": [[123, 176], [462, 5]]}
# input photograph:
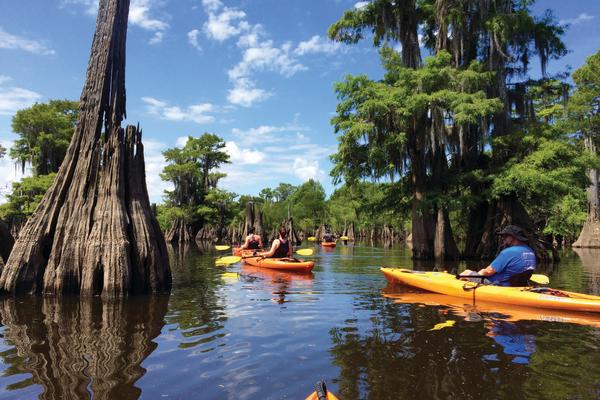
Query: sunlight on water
{"points": [[242, 332]]}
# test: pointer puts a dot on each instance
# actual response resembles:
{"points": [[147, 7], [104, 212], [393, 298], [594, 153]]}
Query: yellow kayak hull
{"points": [[447, 284]]}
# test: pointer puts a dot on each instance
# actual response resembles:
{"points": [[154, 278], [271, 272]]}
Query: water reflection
{"points": [[78, 348], [284, 285]]}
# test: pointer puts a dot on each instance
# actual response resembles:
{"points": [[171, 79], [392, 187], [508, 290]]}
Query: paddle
{"points": [[535, 278], [222, 247], [311, 239], [234, 259], [344, 238]]}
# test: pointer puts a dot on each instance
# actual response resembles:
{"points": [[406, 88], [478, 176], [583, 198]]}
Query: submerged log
{"points": [[94, 232]]}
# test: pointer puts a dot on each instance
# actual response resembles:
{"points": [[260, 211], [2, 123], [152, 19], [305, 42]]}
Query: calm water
{"points": [[246, 333]]}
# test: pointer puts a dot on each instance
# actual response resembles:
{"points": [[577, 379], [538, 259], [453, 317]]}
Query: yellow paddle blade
{"points": [[540, 279], [305, 252], [222, 247], [227, 260], [443, 325], [229, 276], [311, 239], [344, 238]]}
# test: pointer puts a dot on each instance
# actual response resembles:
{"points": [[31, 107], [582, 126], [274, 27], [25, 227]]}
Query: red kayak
{"points": [[328, 244]]}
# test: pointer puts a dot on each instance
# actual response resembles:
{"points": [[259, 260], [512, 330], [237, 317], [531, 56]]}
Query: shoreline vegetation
{"points": [[457, 139]]}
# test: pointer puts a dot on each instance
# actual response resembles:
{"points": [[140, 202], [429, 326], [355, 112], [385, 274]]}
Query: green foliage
{"points": [[192, 170], [584, 104], [45, 131], [2, 151], [374, 118], [25, 197]]}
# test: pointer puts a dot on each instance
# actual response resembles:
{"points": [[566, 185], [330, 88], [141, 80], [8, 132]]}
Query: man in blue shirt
{"points": [[516, 258]]}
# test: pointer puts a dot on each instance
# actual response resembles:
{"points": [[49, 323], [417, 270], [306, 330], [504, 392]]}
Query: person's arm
{"points": [[260, 243], [245, 245], [487, 271], [274, 248]]}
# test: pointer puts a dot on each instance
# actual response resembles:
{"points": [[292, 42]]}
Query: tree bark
{"points": [[179, 232], [94, 231], [590, 233]]}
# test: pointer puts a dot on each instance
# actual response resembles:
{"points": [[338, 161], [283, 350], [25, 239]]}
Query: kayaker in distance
{"points": [[252, 242], [327, 237], [514, 265], [281, 247]]}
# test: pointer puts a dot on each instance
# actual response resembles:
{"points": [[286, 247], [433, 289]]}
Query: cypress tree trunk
{"points": [[590, 233], [94, 231]]}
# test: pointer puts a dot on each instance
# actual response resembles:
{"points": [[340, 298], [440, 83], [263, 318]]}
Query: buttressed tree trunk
{"points": [[590, 233], [94, 231]]}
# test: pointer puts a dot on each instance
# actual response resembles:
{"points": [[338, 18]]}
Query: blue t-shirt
{"points": [[511, 261]]}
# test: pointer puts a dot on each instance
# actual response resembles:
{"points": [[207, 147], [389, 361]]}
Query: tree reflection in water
{"points": [[80, 348]]}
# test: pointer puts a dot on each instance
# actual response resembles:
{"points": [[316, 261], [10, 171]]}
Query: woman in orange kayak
{"points": [[253, 242], [281, 247]]}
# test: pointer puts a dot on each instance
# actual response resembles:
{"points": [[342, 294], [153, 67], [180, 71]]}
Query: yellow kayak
{"points": [[444, 283], [285, 264]]}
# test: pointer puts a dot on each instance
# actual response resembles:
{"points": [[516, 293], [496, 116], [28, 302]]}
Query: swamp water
{"points": [[240, 332]]}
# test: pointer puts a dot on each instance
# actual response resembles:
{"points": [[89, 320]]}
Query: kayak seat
{"points": [[521, 279]]}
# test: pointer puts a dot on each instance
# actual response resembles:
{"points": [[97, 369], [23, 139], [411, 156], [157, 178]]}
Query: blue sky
{"points": [[258, 73]]}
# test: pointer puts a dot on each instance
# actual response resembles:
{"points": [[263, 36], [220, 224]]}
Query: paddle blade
{"points": [[443, 325], [222, 247], [228, 260], [311, 239], [540, 279], [344, 238], [305, 252]]}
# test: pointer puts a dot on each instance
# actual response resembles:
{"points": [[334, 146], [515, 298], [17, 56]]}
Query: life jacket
{"points": [[283, 250], [253, 244]]}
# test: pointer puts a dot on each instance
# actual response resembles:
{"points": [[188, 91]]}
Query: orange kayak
{"points": [[284, 264], [321, 393], [447, 284], [328, 244], [314, 396]]}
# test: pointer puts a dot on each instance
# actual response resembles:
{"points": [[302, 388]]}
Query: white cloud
{"points": [[9, 172], [361, 4], [245, 93], [230, 22], [13, 42], [243, 156], [266, 57], [4, 78], [181, 141], [91, 6], [265, 134], [13, 99], [155, 163], [211, 5], [316, 45], [197, 113], [581, 18], [307, 169], [193, 38], [140, 15]]}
